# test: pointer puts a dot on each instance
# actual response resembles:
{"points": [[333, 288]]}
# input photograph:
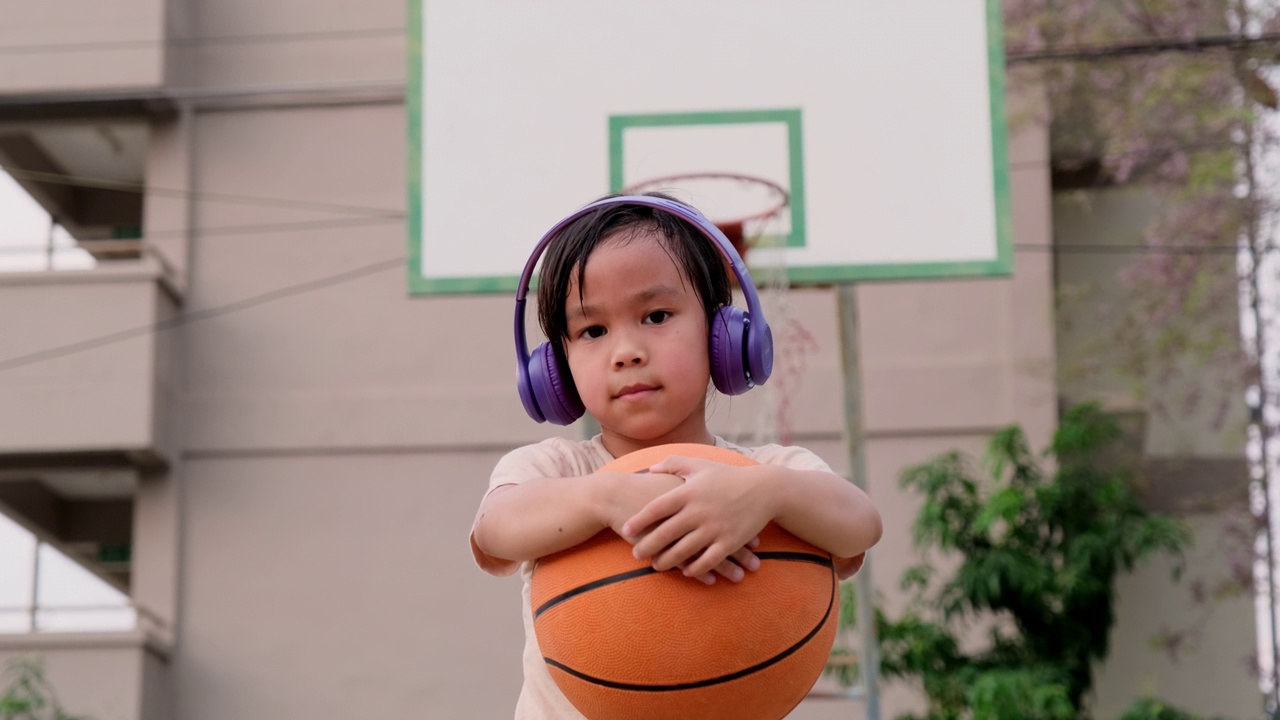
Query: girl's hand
{"points": [[630, 493], [708, 519]]}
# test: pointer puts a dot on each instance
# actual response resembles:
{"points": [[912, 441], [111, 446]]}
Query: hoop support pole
{"points": [[855, 446]]}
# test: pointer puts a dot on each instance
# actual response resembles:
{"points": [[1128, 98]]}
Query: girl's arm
{"points": [[698, 523], [823, 509], [539, 517]]}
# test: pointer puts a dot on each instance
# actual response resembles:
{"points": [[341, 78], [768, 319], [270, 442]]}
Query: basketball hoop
{"points": [[735, 210]]}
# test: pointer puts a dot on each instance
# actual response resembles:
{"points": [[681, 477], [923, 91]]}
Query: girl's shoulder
{"points": [[788, 456], [553, 457]]}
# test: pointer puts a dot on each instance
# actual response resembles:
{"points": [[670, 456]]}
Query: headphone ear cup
{"points": [[557, 400], [727, 350]]}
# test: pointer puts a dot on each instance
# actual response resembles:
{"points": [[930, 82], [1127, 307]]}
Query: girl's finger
{"points": [[710, 559], [683, 551], [673, 465], [658, 509], [746, 559]]}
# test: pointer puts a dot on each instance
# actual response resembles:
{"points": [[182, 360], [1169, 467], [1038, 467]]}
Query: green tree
{"points": [[1040, 551], [1150, 709]]}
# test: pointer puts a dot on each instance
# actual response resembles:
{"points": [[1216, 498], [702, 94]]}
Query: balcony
{"points": [[102, 655], [115, 676], [83, 47], [84, 371]]}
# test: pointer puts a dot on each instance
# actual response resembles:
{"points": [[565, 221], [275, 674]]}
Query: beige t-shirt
{"points": [[540, 699]]}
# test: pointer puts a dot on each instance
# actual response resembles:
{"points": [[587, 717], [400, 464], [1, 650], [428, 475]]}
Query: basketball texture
{"points": [[624, 642]]}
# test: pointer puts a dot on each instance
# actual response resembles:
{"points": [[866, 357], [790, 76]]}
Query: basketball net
{"points": [[774, 421], [754, 214]]}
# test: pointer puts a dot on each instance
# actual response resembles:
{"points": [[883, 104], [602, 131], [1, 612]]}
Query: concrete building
{"points": [[243, 394]]}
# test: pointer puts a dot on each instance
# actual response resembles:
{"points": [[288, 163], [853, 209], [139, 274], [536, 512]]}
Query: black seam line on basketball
{"points": [[712, 681], [570, 594], [823, 560], [602, 582]]}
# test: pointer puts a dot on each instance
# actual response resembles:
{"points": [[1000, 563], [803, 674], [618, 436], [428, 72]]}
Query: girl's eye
{"points": [[593, 332], [657, 317]]}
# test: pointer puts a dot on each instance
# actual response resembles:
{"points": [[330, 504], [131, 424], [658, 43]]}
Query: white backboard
{"points": [[883, 120]]}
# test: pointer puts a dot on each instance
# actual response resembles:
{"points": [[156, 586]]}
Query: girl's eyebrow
{"points": [[653, 292]]}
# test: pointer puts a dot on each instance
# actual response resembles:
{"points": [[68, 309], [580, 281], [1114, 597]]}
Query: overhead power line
{"points": [[1130, 249], [212, 231], [355, 274], [195, 316], [142, 188], [1058, 249], [1153, 46]]}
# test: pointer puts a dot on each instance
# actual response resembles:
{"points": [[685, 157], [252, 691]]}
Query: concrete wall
{"points": [[1187, 420], [82, 45], [1212, 672], [333, 42], [1109, 355]]}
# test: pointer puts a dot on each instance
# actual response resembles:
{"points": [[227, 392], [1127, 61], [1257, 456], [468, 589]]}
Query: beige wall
{"points": [[1212, 673], [1098, 347], [368, 47], [1194, 458], [82, 45]]}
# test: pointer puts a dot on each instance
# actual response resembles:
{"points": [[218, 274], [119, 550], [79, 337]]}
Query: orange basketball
{"points": [[624, 642]]}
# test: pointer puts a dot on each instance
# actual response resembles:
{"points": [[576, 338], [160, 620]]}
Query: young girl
{"points": [[630, 292]]}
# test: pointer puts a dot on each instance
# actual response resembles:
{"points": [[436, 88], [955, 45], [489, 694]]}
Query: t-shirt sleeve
{"points": [[798, 458], [541, 460]]}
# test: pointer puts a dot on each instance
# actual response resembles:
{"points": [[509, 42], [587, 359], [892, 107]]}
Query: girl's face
{"points": [[637, 345]]}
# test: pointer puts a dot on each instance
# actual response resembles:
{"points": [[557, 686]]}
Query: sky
{"points": [[24, 234]]}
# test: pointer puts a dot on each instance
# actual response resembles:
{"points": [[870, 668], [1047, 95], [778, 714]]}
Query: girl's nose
{"points": [[628, 352]]}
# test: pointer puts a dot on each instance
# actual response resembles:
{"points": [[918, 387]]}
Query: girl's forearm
{"points": [[540, 517], [823, 509]]}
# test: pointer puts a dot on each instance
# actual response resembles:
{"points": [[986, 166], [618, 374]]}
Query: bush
{"points": [[1040, 552]]}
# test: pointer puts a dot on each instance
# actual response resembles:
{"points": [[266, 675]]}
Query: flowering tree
{"points": [[1177, 96]]}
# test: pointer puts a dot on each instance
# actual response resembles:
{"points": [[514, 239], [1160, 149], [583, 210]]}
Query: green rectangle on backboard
{"points": [[982, 244], [789, 118]]}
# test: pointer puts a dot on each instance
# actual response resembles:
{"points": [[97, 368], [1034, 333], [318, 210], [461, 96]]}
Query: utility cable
{"points": [[354, 274], [203, 232], [188, 318], [230, 198]]}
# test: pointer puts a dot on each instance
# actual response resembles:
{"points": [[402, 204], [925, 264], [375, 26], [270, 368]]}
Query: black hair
{"points": [[698, 258]]}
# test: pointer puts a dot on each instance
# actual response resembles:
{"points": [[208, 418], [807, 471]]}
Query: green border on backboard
{"points": [[1001, 265], [618, 124]]}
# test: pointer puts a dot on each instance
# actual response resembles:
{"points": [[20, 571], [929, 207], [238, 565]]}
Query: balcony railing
{"points": [[60, 594], [71, 255]]}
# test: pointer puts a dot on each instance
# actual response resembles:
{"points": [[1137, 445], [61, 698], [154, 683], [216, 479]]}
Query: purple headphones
{"points": [[741, 355]]}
